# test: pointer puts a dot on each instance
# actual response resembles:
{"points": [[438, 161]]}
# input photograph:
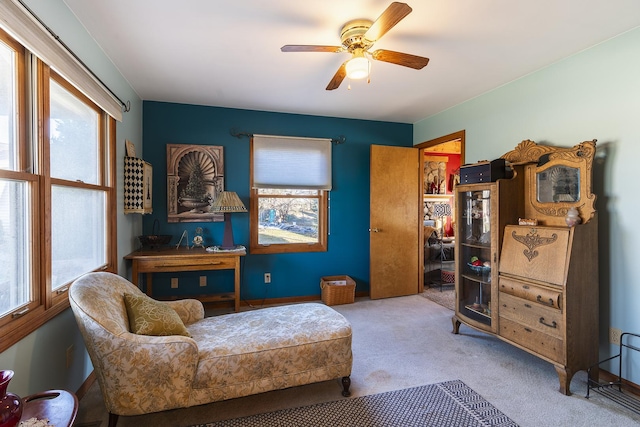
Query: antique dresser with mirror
{"points": [[539, 284]]}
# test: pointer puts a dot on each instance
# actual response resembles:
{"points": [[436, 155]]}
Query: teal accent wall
{"points": [[294, 274], [593, 94]]}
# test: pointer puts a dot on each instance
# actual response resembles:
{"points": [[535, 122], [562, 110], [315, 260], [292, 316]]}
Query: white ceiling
{"points": [[227, 53]]}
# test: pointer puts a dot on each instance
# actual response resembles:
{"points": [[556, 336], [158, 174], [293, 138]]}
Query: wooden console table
{"points": [[196, 259]]}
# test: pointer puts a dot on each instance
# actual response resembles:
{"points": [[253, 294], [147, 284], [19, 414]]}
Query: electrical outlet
{"points": [[267, 277], [614, 336], [174, 283], [69, 356], [203, 280]]}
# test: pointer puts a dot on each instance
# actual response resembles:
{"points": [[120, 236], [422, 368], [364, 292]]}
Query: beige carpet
{"points": [[406, 342], [445, 297]]}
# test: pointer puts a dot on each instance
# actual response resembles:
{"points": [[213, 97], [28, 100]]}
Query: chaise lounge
{"points": [[204, 359]]}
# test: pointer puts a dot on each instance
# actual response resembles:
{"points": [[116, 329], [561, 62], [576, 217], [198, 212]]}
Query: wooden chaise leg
{"points": [[113, 419], [346, 383]]}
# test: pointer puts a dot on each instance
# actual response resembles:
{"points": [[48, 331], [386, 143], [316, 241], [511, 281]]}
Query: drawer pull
{"points": [[527, 305], [525, 287], [552, 325], [527, 329], [539, 299]]}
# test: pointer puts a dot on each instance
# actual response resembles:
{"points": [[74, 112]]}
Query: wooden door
{"points": [[395, 222]]}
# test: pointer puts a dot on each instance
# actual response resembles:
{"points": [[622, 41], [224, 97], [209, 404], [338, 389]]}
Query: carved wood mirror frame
{"points": [[538, 159]]}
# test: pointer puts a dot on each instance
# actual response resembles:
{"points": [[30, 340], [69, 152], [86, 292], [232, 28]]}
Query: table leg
{"points": [[149, 283], [237, 285], [134, 273]]}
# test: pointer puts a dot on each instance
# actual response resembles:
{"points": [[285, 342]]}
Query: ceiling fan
{"points": [[358, 36]]}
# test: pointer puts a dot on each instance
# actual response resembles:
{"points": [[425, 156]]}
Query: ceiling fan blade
{"points": [[338, 77], [389, 18], [310, 48], [399, 58]]}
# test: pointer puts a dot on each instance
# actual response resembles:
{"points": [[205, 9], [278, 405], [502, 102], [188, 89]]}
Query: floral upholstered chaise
{"points": [[215, 358]]}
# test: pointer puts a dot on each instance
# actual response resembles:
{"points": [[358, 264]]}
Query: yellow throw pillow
{"points": [[150, 317]]}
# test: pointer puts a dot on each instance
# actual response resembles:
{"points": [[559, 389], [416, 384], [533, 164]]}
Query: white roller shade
{"points": [[17, 21], [290, 162]]}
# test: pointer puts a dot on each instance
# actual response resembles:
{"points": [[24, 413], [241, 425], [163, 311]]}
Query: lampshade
{"points": [[441, 209], [227, 201], [358, 66]]}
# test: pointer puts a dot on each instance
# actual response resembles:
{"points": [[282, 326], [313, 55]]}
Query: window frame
{"points": [[32, 143], [254, 227]]}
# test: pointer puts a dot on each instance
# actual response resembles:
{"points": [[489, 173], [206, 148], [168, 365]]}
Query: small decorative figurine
{"points": [[197, 239], [572, 217]]}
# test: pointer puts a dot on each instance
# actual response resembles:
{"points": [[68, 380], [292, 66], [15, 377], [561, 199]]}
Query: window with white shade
{"points": [[290, 181]]}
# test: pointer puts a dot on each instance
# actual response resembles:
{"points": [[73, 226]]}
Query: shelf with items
{"points": [[480, 221], [475, 254], [481, 309], [475, 282], [475, 301]]}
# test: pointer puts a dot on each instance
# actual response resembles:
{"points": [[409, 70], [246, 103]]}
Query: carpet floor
{"points": [[450, 403], [402, 343], [445, 297]]}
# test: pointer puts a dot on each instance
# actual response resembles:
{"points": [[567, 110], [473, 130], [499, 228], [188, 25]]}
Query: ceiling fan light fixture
{"points": [[357, 37], [358, 67]]}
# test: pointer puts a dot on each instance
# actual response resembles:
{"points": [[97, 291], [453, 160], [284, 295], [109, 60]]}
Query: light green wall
{"points": [[592, 95], [39, 360]]}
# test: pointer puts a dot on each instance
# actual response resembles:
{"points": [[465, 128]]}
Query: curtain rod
{"points": [[126, 106], [339, 140]]}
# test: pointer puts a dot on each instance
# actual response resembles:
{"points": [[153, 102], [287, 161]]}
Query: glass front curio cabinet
{"points": [[482, 211]]}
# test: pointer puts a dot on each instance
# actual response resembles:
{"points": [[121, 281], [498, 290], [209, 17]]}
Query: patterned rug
{"points": [[446, 298], [450, 403]]}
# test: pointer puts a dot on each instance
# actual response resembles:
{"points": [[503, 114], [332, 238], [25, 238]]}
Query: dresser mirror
{"points": [[556, 179], [558, 184]]}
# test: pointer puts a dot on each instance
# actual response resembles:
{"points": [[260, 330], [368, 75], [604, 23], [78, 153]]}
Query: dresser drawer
{"points": [[186, 263], [534, 316], [530, 292], [540, 343]]}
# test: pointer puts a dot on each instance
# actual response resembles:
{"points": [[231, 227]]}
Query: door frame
{"points": [[423, 146]]}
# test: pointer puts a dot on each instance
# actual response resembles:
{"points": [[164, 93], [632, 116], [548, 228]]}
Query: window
{"points": [[78, 228], [56, 190], [290, 180]]}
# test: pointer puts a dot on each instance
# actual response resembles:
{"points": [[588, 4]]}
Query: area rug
{"points": [[450, 403], [445, 298]]}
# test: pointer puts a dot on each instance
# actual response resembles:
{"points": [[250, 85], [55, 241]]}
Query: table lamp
{"points": [[441, 210], [227, 202]]}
